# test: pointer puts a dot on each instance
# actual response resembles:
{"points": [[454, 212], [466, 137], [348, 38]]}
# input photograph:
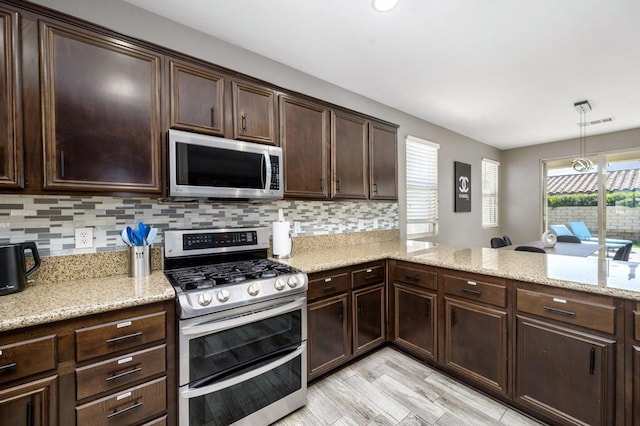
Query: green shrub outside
{"points": [[626, 199]]}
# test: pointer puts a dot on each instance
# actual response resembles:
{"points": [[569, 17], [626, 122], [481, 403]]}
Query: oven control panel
{"points": [[223, 239], [211, 241]]}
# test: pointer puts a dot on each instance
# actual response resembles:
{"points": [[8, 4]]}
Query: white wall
{"points": [[459, 228], [521, 205]]}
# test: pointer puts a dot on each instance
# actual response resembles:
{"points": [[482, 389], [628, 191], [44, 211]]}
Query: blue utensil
{"points": [[153, 232], [125, 237], [142, 232], [133, 238]]}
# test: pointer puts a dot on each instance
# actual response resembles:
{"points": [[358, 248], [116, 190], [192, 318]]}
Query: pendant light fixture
{"points": [[582, 164], [384, 5]]}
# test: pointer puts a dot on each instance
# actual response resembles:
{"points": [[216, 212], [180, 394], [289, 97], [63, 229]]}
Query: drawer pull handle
{"points": [[471, 291], [124, 410], [126, 336], [329, 288], [7, 366], [123, 374], [371, 277], [30, 413], [592, 361], [412, 277], [559, 311]]}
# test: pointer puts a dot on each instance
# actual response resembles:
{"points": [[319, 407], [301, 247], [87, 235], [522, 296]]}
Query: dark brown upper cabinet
{"points": [[383, 173], [349, 149], [11, 164], [304, 136], [197, 98], [101, 112], [254, 113]]}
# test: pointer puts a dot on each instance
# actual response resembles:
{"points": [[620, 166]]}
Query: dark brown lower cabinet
{"points": [[368, 318], [414, 320], [32, 404], [476, 343], [567, 375], [328, 330]]}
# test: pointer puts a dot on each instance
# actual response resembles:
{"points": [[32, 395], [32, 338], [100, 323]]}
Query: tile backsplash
{"points": [[51, 220]]}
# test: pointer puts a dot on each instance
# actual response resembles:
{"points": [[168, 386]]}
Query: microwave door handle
{"points": [[192, 393], [266, 171]]}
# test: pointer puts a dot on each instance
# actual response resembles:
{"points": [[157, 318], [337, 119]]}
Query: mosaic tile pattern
{"points": [[51, 220]]}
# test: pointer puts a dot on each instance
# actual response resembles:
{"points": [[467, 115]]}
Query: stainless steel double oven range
{"points": [[242, 328]]}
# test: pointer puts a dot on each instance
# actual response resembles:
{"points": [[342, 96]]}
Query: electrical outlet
{"points": [[84, 237]]}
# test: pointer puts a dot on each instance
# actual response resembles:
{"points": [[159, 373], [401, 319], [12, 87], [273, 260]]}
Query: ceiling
{"points": [[503, 72]]}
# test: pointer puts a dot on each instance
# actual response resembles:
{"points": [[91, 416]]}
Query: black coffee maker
{"points": [[13, 267]]}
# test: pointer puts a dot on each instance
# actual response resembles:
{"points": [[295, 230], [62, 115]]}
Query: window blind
{"points": [[422, 187], [489, 193]]}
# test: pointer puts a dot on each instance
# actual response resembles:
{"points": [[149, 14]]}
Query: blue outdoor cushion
{"points": [[560, 230]]}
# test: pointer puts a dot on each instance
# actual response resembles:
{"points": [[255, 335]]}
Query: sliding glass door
{"points": [[600, 206]]}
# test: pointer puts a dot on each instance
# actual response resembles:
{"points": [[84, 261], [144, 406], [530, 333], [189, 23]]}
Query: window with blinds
{"points": [[422, 187], [489, 193]]}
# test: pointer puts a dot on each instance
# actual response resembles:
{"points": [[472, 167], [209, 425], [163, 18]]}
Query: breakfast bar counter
{"points": [[589, 274]]}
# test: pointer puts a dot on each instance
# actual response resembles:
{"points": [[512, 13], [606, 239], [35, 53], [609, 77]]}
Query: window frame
{"points": [[490, 193], [431, 203]]}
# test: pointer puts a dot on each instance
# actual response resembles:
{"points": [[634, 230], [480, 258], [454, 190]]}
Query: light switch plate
{"points": [[84, 237]]}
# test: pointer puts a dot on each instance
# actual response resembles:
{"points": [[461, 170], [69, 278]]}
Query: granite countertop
{"points": [[50, 301], [589, 274]]}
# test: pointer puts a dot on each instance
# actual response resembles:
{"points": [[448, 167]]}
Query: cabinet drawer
{"points": [[104, 339], [116, 372], [327, 286], [415, 276], [161, 421], [126, 407], [22, 359], [584, 314], [472, 289], [374, 274]]}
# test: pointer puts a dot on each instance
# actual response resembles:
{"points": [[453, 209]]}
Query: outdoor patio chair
{"points": [[623, 253], [507, 240], [560, 230], [580, 230]]}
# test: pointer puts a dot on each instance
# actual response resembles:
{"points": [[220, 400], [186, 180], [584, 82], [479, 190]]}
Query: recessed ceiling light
{"points": [[384, 5]]}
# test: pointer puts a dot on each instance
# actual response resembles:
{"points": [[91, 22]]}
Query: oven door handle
{"points": [[215, 326], [195, 392]]}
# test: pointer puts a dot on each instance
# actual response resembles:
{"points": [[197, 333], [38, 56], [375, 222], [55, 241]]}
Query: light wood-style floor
{"points": [[390, 388]]}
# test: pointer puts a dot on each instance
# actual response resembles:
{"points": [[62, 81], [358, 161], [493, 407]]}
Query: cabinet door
{"points": [[476, 343], [254, 113], [414, 320], [349, 141], [33, 403], [101, 112], [565, 374], [368, 318], [383, 154], [328, 335], [11, 164], [304, 132], [197, 99]]}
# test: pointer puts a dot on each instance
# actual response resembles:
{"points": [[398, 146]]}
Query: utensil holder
{"points": [[139, 261]]}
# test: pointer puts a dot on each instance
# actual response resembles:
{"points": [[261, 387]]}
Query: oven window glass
{"points": [[198, 165], [231, 404], [222, 353]]}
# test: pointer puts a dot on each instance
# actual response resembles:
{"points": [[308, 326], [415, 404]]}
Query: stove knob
{"points": [[293, 282], [253, 289], [204, 299], [279, 284], [222, 295]]}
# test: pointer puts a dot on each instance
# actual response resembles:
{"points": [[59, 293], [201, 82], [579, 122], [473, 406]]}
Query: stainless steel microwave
{"points": [[202, 166]]}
